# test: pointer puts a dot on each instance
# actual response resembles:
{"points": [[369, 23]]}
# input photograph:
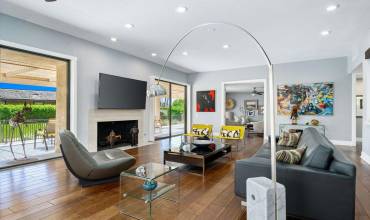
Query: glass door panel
{"points": [[178, 110], [162, 113]]}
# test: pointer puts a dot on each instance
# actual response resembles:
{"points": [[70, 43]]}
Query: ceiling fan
{"points": [[256, 92]]}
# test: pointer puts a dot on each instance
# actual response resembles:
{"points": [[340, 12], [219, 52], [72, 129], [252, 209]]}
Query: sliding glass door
{"points": [[34, 106], [170, 111]]}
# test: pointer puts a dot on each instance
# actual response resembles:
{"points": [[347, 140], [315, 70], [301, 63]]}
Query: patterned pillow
{"points": [[230, 133], [289, 139], [201, 131], [291, 156]]}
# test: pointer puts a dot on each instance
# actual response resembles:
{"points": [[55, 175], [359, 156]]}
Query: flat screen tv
{"points": [[121, 93]]}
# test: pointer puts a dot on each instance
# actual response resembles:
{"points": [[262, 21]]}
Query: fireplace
{"points": [[112, 134]]}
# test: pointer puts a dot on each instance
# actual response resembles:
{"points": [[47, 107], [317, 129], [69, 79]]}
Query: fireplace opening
{"points": [[112, 134]]}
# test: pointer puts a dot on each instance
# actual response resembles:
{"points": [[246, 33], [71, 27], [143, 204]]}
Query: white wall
{"points": [[333, 70], [365, 154], [91, 59], [356, 60]]}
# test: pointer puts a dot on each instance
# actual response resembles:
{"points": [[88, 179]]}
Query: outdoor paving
{"points": [[6, 155], [164, 130]]}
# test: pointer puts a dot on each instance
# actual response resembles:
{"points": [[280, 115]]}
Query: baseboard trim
{"points": [[365, 157], [345, 143]]}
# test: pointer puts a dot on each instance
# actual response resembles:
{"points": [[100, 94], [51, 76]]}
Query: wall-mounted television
{"points": [[121, 93]]}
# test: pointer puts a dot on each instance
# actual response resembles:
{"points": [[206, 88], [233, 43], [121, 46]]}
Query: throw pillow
{"points": [[201, 131], [289, 139], [320, 157], [293, 156], [230, 133]]}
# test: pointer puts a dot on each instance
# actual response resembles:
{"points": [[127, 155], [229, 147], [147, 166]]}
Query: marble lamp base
{"points": [[260, 199]]}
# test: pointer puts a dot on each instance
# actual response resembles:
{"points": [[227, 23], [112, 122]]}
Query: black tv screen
{"points": [[121, 93]]}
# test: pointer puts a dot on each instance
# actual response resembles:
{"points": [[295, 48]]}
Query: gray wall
{"points": [[91, 59], [333, 70], [239, 98]]}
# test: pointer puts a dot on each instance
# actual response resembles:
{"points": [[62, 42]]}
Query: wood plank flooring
{"points": [[47, 190]]}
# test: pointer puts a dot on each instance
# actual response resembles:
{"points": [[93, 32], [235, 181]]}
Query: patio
{"points": [[33, 155], [163, 131]]}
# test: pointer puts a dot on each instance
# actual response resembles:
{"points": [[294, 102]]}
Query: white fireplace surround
{"points": [[102, 115]]}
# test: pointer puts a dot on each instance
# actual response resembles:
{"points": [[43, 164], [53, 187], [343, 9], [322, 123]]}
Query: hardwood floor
{"points": [[48, 191]]}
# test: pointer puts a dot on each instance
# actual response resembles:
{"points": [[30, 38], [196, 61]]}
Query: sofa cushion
{"points": [[292, 156], [342, 168], [289, 139], [320, 157], [265, 150]]}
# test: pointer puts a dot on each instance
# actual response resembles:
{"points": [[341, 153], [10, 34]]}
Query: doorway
{"points": [[244, 104], [170, 111], [359, 96], [34, 105]]}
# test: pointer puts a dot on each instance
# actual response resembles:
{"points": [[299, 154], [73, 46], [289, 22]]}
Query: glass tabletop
{"points": [[198, 147], [149, 171]]}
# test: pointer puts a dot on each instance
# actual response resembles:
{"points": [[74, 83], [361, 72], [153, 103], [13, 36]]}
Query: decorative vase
{"points": [[150, 185], [315, 122]]}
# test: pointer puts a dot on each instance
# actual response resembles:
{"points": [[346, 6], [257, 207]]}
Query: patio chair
{"points": [[47, 133]]}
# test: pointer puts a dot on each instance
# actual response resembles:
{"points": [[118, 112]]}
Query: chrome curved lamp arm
{"points": [[270, 78]]}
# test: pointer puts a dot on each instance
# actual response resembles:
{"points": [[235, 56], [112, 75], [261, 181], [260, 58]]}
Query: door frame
{"points": [[187, 106], [72, 103], [223, 99]]}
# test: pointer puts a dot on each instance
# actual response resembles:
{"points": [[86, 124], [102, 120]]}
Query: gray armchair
{"points": [[93, 168]]}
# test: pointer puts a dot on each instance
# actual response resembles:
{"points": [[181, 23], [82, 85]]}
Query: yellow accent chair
{"points": [[232, 133], [200, 130]]}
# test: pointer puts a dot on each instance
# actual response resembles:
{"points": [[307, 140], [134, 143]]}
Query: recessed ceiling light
{"points": [[332, 7], [226, 46], [50, 0], [129, 26], [185, 53], [154, 54], [181, 9], [113, 39], [325, 32]]}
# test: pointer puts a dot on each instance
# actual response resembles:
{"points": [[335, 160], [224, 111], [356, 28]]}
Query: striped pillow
{"points": [[291, 156], [230, 133], [289, 139], [201, 131]]}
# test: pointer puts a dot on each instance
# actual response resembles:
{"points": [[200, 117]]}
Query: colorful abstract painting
{"points": [[206, 101], [311, 99]]}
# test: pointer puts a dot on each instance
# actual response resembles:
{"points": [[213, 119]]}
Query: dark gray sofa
{"points": [[311, 193]]}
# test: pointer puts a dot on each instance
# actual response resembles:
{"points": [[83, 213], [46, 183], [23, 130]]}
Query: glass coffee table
{"points": [[197, 153], [149, 187]]}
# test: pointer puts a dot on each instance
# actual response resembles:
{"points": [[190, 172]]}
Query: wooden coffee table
{"points": [[190, 154]]}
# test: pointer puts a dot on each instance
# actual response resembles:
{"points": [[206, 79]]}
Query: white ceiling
{"points": [[288, 29], [243, 87]]}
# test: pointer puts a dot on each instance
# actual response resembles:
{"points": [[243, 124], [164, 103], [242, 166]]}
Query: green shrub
{"points": [[38, 111]]}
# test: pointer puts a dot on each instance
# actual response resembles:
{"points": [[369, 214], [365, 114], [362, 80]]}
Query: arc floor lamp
{"points": [[157, 90]]}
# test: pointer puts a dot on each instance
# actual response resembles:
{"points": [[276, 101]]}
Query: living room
{"points": [[197, 89]]}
